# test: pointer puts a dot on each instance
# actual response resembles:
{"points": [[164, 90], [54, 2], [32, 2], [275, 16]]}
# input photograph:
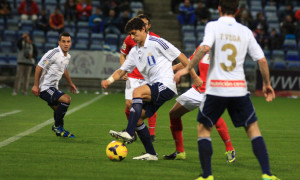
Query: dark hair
{"points": [[134, 24], [144, 16], [229, 7], [64, 34]]}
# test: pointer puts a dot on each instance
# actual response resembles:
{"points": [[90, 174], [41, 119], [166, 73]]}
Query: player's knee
{"points": [[173, 114], [67, 99]]}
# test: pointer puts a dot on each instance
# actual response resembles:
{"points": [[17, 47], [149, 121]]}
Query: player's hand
{"points": [[180, 73], [35, 90], [105, 83], [198, 83], [269, 93], [125, 77], [73, 88]]}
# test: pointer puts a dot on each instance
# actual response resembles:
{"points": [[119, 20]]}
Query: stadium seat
{"points": [[122, 38], [40, 47], [136, 6], [9, 35], [97, 38], [200, 37], [269, 8], [80, 46], [27, 25], [1, 25], [187, 29], [6, 46], [12, 60], [200, 28], [293, 66], [292, 55], [290, 44], [3, 59], [12, 24], [83, 38], [97, 47], [112, 39], [49, 46], [267, 54], [38, 36], [52, 36], [279, 65], [83, 27], [278, 55]]}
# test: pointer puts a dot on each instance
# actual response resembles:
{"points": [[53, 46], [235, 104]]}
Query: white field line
{"points": [[9, 113], [47, 122]]}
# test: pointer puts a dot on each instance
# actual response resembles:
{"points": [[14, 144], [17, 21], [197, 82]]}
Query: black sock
{"points": [[261, 153], [60, 114], [135, 114], [144, 135], [205, 153]]}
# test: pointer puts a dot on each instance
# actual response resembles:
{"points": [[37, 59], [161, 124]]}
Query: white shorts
{"points": [[191, 99], [131, 84]]}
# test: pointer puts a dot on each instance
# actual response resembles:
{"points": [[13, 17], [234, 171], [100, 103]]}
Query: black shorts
{"points": [[240, 109], [159, 95], [51, 95]]}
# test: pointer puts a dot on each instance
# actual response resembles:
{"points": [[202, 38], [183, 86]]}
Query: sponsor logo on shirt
{"points": [[227, 83], [44, 62], [124, 46]]}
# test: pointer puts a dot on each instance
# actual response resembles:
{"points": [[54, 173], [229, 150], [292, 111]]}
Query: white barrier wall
{"points": [[93, 64]]}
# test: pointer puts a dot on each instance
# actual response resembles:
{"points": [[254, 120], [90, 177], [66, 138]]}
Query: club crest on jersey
{"points": [[44, 62], [124, 46]]}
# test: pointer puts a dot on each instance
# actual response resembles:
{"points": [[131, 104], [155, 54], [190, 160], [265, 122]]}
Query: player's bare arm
{"points": [[71, 84], [114, 77], [177, 67], [35, 89], [267, 89], [122, 60]]}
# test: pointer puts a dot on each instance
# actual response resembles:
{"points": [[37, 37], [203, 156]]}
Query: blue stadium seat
{"points": [[187, 28], [292, 55], [97, 47], [97, 38], [2, 25], [122, 38], [293, 65], [269, 8], [40, 47], [12, 24], [80, 46], [21, 32], [27, 25], [9, 35], [136, 6], [7, 47], [200, 28], [278, 55], [200, 37], [82, 38], [112, 39], [83, 27], [3, 59], [280, 65], [38, 36], [12, 60], [52, 37], [290, 44], [49, 46]]}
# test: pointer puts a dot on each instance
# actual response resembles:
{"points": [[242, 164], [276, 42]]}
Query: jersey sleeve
{"points": [[209, 37], [128, 65], [127, 45], [254, 49], [167, 49], [45, 60]]}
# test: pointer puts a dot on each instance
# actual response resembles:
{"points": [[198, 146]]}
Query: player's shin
{"points": [[60, 113], [144, 135], [135, 114]]}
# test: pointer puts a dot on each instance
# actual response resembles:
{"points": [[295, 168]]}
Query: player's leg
{"points": [[128, 107], [152, 126], [223, 132]]}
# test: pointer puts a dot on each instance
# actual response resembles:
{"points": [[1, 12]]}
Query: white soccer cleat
{"points": [[122, 135], [147, 156]]}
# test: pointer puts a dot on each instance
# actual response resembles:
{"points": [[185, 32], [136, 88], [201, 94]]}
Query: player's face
{"points": [[65, 43], [138, 36], [147, 25]]}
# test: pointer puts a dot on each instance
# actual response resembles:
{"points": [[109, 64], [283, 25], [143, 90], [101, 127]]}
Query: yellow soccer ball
{"points": [[116, 151]]}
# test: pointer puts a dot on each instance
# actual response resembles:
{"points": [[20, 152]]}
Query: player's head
{"points": [[65, 41], [228, 7], [146, 20], [135, 27]]}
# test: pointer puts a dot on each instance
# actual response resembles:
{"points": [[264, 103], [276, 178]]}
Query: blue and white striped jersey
{"points": [[154, 61], [54, 64]]}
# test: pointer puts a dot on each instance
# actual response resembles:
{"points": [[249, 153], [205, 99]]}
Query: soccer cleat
{"points": [[267, 177], [230, 155], [175, 156], [60, 131], [147, 156], [122, 135], [211, 177], [153, 138]]}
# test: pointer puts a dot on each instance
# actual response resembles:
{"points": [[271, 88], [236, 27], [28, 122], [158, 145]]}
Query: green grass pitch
{"points": [[43, 155]]}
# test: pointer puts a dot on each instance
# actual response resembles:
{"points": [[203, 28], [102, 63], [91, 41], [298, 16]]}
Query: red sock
{"points": [[223, 132], [176, 129], [152, 124], [127, 112]]}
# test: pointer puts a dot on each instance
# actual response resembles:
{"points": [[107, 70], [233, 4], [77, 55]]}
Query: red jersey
{"points": [[203, 69], [126, 47]]}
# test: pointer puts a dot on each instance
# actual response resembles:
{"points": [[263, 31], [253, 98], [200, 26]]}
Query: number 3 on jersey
{"points": [[230, 57]]}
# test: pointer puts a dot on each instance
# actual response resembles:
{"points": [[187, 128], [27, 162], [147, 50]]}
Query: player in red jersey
{"points": [[135, 79], [187, 102]]}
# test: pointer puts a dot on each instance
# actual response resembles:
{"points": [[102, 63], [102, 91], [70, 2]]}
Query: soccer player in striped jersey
{"points": [[135, 79], [228, 43], [48, 72], [187, 102], [153, 57]]}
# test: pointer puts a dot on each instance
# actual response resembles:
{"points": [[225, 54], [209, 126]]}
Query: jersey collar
{"points": [[146, 41], [61, 52], [227, 19]]}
